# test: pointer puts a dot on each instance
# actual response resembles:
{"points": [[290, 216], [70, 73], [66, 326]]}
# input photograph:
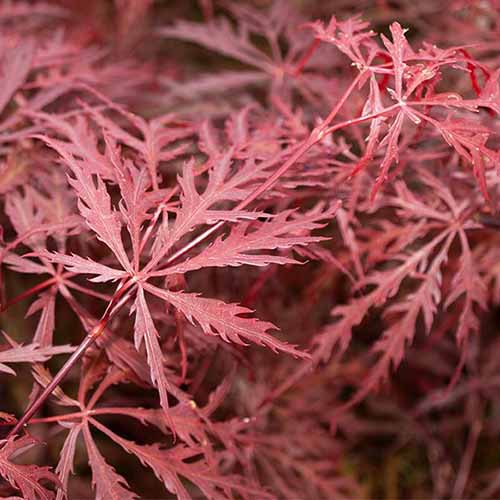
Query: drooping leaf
{"points": [[25, 478], [225, 320], [107, 482]]}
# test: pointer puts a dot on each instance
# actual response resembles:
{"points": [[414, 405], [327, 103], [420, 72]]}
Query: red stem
{"points": [[87, 342], [78, 414], [316, 135], [307, 55], [116, 303], [37, 288], [27, 293], [119, 298]]}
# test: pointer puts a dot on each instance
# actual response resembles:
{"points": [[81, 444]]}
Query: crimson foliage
{"points": [[268, 237]]}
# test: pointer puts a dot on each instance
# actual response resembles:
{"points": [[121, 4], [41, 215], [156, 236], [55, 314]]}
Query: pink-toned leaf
{"points": [[79, 265], [26, 478], [145, 330], [218, 318], [391, 154], [170, 465], [94, 204], [467, 283], [219, 36], [65, 466], [240, 247], [108, 484], [46, 323], [399, 51], [28, 354], [15, 66]]}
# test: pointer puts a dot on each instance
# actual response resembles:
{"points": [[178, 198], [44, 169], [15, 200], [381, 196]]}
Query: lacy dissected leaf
{"points": [[15, 64], [109, 485], [469, 140], [170, 465], [23, 265], [31, 353], [65, 465], [184, 420], [197, 208], [310, 470], [350, 36], [490, 94], [94, 203], [386, 285], [137, 199], [79, 265], [241, 246], [255, 41], [158, 133], [80, 145], [225, 320], [352, 314], [402, 317], [399, 51], [95, 206], [422, 272], [211, 84], [467, 283], [220, 36], [46, 303], [26, 478], [145, 330], [25, 215], [372, 105], [391, 154]]}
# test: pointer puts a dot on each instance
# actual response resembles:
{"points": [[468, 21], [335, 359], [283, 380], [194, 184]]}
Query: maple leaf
{"points": [[45, 327], [399, 50], [469, 284], [424, 267], [16, 64], [79, 265], [490, 94], [219, 36], [469, 140], [211, 84], [240, 247], [387, 285], [26, 478], [145, 330], [65, 465], [171, 464], [108, 484], [158, 133], [350, 36], [196, 208], [218, 318], [25, 215], [95, 206], [278, 62], [28, 354]]}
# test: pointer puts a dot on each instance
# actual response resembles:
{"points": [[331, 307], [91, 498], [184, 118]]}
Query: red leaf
{"points": [[26, 478], [108, 484], [145, 330], [218, 318]]}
